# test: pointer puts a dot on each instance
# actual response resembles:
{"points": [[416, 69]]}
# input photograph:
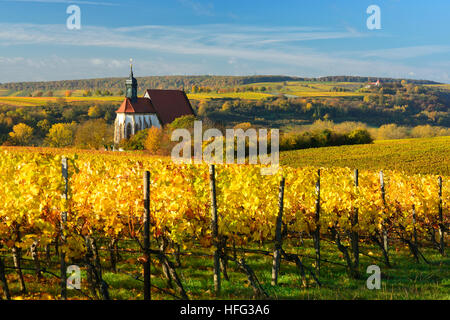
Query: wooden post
{"points": [[278, 236], [317, 220], [414, 226], [215, 228], [354, 222], [64, 171], [147, 283], [3, 280], [383, 196], [441, 221]]}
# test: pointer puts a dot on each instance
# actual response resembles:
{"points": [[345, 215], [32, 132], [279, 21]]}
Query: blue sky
{"points": [[227, 37]]}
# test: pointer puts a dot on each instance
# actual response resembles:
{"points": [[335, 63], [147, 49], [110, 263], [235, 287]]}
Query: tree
{"points": [[68, 93], [308, 106], [94, 112], [93, 134], [183, 122], [226, 106], [61, 135], [154, 139], [44, 126], [21, 134], [202, 108]]}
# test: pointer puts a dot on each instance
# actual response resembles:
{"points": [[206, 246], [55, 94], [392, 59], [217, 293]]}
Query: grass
{"points": [[413, 156], [406, 280]]}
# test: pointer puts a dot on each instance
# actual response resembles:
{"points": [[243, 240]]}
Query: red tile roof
{"points": [[170, 104], [141, 105]]}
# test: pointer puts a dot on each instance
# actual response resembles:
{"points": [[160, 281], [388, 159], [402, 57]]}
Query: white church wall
{"points": [[136, 121]]}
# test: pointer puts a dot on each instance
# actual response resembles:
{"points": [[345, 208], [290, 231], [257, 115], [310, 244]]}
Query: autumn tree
{"points": [[94, 112], [202, 108], [44, 126], [226, 106], [154, 139], [93, 134], [61, 135], [21, 134]]}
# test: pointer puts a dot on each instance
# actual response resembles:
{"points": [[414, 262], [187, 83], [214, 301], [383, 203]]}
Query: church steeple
{"points": [[131, 84]]}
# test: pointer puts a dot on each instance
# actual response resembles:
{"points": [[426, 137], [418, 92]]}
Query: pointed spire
{"points": [[131, 68], [131, 84]]}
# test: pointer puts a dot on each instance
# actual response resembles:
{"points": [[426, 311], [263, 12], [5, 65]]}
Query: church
{"points": [[156, 108]]}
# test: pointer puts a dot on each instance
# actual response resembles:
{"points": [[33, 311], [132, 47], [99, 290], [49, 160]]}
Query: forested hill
{"points": [[180, 82]]}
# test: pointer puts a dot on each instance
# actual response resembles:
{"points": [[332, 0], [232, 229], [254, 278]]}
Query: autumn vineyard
{"points": [[49, 220]]}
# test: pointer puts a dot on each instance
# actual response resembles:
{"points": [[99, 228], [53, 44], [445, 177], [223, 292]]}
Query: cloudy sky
{"points": [[224, 37]]}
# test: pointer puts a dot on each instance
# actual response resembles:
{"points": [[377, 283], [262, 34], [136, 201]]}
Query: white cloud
{"points": [[218, 49]]}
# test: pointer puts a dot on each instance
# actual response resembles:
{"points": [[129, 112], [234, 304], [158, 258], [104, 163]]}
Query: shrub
{"points": [[359, 136], [135, 142]]}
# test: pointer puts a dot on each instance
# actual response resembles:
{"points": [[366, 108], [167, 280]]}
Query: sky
{"points": [[224, 37]]}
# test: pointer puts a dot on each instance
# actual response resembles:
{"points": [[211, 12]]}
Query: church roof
{"points": [[140, 105], [170, 104]]}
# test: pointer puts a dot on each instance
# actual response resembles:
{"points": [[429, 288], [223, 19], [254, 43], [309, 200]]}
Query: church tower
{"points": [[131, 85]]}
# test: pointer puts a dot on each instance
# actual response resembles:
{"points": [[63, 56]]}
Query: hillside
{"points": [[281, 102], [177, 82], [424, 156]]}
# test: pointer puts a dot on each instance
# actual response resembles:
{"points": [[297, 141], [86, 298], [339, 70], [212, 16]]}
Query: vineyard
{"points": [[412, 156], [102, 209]]}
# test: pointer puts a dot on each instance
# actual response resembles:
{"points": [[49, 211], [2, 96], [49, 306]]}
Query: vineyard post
{"points": [[147, 280], [317, 219], [64, 170], [278, 236], [215, 228], [414, 225], [441, 221], [354, 222], [383, 196]]}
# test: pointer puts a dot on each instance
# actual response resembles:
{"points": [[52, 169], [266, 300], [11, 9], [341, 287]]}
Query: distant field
{"points": [[310, 88], [234, 95], [38, 101], [426, 156], [290, 89], [326, 94], [445, 86]]}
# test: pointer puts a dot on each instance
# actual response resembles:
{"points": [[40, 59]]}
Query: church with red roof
{"points": [[156, 108]]}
